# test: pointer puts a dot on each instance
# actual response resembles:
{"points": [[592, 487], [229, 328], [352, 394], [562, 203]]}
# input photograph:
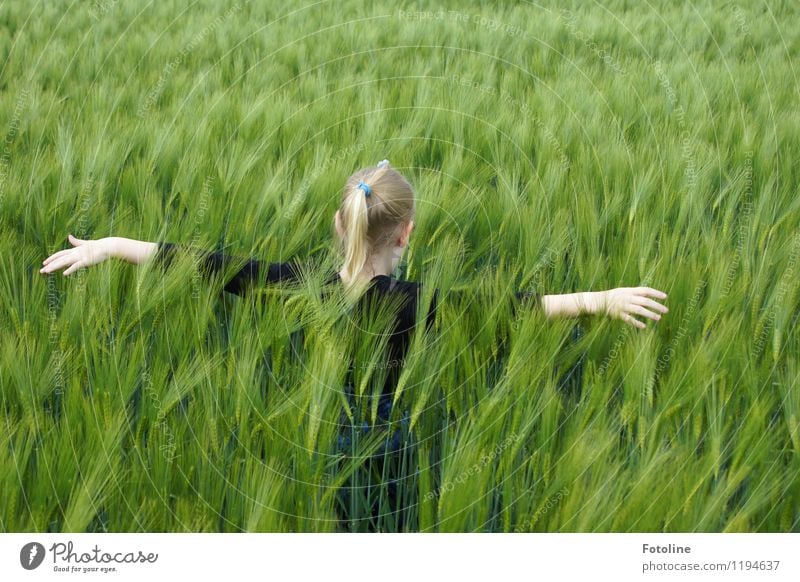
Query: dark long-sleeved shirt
{"points": [[256, 271]]}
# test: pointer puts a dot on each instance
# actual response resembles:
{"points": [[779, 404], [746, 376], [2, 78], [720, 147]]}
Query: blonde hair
{"points": [[371, 216]]}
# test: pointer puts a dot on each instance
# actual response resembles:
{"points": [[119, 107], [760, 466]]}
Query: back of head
{"points": [[376, 201]]}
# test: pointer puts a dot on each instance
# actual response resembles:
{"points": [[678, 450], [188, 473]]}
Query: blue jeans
{"points": [[373, 497], [351, 432]]}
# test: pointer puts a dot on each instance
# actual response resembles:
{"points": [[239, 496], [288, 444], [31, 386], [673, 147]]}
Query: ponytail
{"points": [[355, 217]]}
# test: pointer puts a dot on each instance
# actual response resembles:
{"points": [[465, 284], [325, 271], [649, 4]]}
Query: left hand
{"points": [[625, 302]]}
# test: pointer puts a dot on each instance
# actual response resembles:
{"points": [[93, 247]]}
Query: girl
{"points": [[373, 225]]}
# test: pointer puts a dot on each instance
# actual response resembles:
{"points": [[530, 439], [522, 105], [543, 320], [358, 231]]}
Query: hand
{"points": [[83, 254], [625, 302]]}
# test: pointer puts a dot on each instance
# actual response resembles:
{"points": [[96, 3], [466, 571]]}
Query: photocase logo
{"points": [[31, 555]]}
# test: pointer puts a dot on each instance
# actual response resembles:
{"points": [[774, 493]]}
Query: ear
{"points": [[405, 233]]}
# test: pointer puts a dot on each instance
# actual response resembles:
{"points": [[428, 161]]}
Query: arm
{"points": [[90, 252], [621, 303], [130, 250]]}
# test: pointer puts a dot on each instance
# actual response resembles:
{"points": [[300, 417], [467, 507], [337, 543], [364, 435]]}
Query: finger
{"points": [[639, 310], [57, 264], [629, 319], [651, 292], [644, 301], [74, 267], [55, 255], [75, 241]]}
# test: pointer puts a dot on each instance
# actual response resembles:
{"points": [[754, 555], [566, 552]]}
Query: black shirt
{"points": [[255, 271]]}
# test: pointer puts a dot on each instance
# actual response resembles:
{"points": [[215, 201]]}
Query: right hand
{"points": [[84, 253]]}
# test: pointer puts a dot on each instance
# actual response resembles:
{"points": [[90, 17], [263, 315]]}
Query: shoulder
{"points": [[412, 293], [387, 284], [401, 285]]}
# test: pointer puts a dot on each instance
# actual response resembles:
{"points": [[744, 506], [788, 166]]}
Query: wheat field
{"points": [[554, 147]]}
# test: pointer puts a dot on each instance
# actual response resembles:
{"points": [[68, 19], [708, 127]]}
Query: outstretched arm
{"points": [[621, 303], [90, 252]]}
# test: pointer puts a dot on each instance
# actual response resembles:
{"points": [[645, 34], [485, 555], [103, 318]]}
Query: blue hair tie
{"points": [[365, 187]]}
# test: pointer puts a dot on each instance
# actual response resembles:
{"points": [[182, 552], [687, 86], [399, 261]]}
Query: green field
{"points": [[553, 146]]}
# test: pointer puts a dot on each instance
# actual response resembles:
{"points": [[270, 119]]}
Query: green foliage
{"points": [[553, 147]]}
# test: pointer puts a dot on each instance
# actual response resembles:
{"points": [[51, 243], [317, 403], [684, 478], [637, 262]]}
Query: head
{"points": [[374, 221]]}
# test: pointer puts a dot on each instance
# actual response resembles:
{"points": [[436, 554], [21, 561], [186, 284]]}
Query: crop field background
{"points": [[553, 146]]}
